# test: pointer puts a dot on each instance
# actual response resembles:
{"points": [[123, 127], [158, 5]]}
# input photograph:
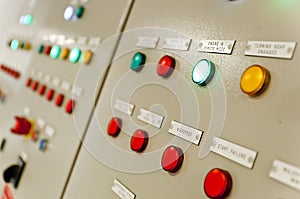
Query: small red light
{"points": [[172, 159], [114, 127], [50, 94], [34, 85], [166, 66], [28, 82], [47, 50], [70, 106], [217, 184], [139, 141], [42, 90], [59, 100]]}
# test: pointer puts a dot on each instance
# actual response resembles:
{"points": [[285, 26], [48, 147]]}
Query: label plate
{"points": [[216, 46], [283, 50], [122, 191], [177, 44], [147, 42], [150, 118], [124, 107], [185, 132], [234, 152], [286, 174]]}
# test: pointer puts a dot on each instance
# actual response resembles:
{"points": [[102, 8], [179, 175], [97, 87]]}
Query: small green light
{"points": [[41, 49], [75, 55], [55, 52], [138, 61], [79, 11], [14, 44], [27, 20]]}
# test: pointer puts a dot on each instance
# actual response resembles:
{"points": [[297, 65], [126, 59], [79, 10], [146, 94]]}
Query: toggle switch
{"points": [[22, 126], [14, 172]]}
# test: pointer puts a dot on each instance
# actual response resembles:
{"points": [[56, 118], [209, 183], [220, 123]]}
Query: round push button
{"points": [[55, 52], [114, 127], [172, 159], [69, 13], [217, 184], [203, 72], [255, 80], [166, 66], [139, 141], [138, 61], [75, 55]]}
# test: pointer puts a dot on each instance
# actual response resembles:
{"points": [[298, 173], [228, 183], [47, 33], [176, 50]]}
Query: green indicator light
{"points": [[14, 44], [79, 11], [41, 49], [75, 55], [203, 72], [138, 61], [22, 45], [55, 52], [27, 20]]}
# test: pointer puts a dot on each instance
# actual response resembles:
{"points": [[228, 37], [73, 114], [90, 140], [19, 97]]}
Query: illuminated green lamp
{"points": [[26, 19], [55, 52], [75, 55], [14, 44], [203, 72]]}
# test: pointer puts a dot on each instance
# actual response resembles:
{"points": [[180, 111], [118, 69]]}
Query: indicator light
{"points": [[55, 52], [217, 184], [87, 57], [59, 100], [166, 66], [69, 13], [41, 49], [255, 80], [50, 94], [42, 90], [139, 141], [70, 106], [172, 159], [75, 55], [14, 44], [47, 50], [203, 72], [65, 53], [138, 61], [114, 127], [80, 11], [26, 19]]}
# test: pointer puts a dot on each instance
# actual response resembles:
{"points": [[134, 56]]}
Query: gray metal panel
{"points": [[267, 124]]}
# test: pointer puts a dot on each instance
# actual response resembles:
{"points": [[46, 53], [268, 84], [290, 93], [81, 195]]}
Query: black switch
{"points": [[14, 173]]}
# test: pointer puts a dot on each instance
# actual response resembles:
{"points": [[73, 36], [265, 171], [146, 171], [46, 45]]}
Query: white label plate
{"points": [[124, 107], [40, 122], [147, 42], [216, 46], [150, 118], [234, 152], [77, 90], [283, 50], [94, 41], [177, 44], [49, 131], [185, 132], [286, 174], [66, 85], [122, 191], [56, 81]]}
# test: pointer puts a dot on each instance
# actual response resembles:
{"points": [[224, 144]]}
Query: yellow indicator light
{"points": [[255, 80], [64, 54], [87, 57]]}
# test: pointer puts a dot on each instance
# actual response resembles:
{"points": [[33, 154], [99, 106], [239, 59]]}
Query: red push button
{"points": [[42, 90], [22, 126], [139, 141], [114, 127], [28, 82], [166, 66], [172, 159], [34, 85], [59, 100], [217, 184], [70, 106], [50, 94], [47, 50]]}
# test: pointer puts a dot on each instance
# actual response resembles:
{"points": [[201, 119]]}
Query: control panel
{"points": [[50, 78], [199, 102]]}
